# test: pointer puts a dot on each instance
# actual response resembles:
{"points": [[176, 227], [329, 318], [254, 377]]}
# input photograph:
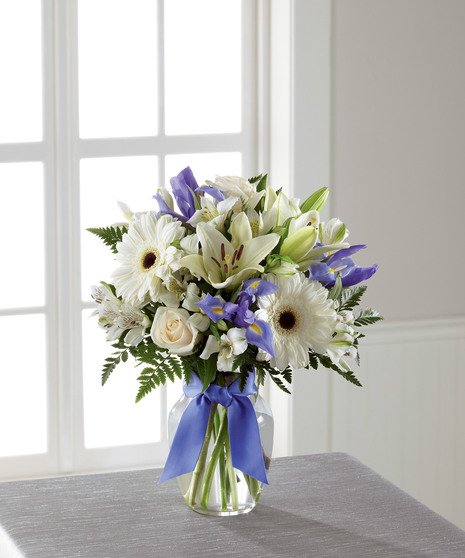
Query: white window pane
{"points": [[132, 180], [22, 203], [23, 385], [20, 71], [205, 166], [111, 416], [203, 66], [117, 68]]}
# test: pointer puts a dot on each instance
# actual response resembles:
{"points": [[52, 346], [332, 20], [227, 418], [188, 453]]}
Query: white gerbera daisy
{"points": [[147, 257], [301, 318]]}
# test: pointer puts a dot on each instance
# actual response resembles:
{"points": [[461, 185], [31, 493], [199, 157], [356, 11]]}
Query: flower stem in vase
{"points": [[231, 472], [218, 449], [190, 496], [222, 467], [254, 487]]}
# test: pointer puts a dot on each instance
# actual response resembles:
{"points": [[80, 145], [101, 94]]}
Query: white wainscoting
{"points": [[407, 422]]}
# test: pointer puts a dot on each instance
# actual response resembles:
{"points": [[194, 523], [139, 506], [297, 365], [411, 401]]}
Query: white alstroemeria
{"points": [[108, 305], [237, 187], [232, 343], [213, 212], [117, 317], [132, 319], [224, 264], [333, 232], [192, 296], [342, 346], [346, 316]]}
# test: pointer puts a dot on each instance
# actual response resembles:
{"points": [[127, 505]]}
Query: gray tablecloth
{"points": [[321, 505]]}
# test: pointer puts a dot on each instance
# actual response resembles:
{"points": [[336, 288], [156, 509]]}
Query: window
{"points": [[102, 100]]}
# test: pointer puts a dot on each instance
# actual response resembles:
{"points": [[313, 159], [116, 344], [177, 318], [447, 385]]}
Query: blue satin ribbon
{"points": [[244, 434]]}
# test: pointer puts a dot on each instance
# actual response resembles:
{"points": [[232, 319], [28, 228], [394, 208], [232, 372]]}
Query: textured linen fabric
{"points": [[321, 505]]}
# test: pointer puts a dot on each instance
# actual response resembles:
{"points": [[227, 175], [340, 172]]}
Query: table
{"points": [[320, 505]]}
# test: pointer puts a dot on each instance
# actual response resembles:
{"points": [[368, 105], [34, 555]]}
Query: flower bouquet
{"points": [[234, 283]]}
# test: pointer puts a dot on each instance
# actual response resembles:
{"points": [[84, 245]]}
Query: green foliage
{"points": [[243, 375], [262, 183], [263, 367], [277, 380], [110, 235], [336, 291], [206, 370], [112, 362], [351, 297], [367, 316], [347, 374]]}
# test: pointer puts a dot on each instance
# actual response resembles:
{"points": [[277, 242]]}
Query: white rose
{"points": [[175, 329]]}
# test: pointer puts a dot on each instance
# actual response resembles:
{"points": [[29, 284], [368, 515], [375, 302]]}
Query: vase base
{"points": [[219, 512]]}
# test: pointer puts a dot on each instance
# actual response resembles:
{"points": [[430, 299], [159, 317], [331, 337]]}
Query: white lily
{"points": [[232, 343], [225, 264], [281, 209], [212, 212]]}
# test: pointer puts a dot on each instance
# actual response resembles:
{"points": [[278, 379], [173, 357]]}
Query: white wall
{"points": [[398, 148], [397, 178]]}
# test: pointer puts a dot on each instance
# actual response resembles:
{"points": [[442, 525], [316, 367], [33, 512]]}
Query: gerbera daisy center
{"points": [[287, 319], [149, 259]]}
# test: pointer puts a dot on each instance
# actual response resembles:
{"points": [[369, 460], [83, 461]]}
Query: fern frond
{"points": [[368, 316], [110, 235], [351, 297]]}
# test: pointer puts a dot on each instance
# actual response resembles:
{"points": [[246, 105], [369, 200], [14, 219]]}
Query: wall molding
{"points": [[411, 331]]}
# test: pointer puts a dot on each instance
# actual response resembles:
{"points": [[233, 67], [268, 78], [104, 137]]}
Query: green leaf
{"points": [[316, 201], [279, 383], [313, 361], [336, 290], [244, 374], [368, 316], [110, 235], [255, 179], [351, 297], [347, 374], [287, 375], [262, 183]]}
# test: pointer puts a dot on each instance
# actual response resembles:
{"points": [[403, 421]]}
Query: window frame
{"points": [[60, 151]]}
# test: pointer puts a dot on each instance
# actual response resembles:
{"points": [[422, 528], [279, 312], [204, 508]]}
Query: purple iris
{"points": [[258, 287], [242, 316], [260, 335], [342, 263], [184, 187], [215, 309]]}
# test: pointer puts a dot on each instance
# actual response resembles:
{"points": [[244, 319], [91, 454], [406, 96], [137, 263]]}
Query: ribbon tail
{"points": [[244, 439], [188, 440]]}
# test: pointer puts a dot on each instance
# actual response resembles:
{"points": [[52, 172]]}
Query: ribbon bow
{"points": [[244, 434]]}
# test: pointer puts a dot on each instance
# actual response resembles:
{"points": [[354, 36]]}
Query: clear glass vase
{"points": [[215, 487]]}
